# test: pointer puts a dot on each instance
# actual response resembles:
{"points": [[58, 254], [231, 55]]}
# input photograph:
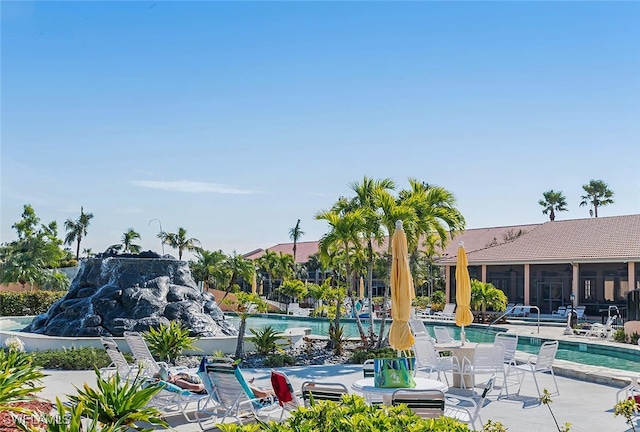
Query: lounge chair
{"points": [[119, 363], [597, 330], [511, 311], [287, 397], [236, 397], [150, 367], [580, 312], [560, 313], [448, 313]]}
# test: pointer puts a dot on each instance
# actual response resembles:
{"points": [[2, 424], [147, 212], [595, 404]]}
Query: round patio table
{"points": [[372, 393]]}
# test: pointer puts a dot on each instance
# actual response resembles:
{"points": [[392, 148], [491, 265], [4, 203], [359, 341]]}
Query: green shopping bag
{"points": [[395, 372]]}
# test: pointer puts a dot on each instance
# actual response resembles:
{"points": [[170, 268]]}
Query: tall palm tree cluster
{"points": [[358, 223], [597, 194]]}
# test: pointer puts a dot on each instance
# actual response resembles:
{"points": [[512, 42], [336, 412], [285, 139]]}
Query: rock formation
{"points": [[112, 294]]}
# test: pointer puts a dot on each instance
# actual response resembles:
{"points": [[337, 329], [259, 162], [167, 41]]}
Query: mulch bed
{"points": [[7, 422]]}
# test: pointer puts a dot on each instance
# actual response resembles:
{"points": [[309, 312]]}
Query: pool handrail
{"points": [[509, 311]]}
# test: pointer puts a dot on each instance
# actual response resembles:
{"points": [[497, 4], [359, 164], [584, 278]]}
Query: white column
{"points": [[526, 284], [484, 273], [447, 283], [631, 269]]}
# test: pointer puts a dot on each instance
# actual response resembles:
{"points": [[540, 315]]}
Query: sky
{"points": [[236, 119]]}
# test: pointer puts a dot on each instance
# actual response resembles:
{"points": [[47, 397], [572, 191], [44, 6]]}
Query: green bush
{"points": [[352, 415], [620, 336], [279, 360], [633, 339], [18, 378], [27, 303], [359, 356], [85, 358], [267, 340]]}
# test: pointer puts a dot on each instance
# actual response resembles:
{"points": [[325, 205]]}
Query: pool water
{"points": [[583, 353]]}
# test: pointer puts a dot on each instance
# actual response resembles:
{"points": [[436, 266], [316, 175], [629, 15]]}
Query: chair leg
{"points": [[557, 393]]}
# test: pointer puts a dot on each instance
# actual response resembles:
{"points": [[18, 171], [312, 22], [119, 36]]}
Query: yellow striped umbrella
{"points": [[464, 317], [402, 292]]}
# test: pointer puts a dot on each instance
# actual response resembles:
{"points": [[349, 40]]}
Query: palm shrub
{"points": [[18, 378], [120, 402], [167, 342], [353, 414], [267, 340], [72, 421], [337, 338]]}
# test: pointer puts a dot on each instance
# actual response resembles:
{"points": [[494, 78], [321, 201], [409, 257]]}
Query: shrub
{"points": [[167, 342], [266, 340], [28, 303], [337, 339], [279, 360], [620, 336], [633, 339], [352, 414], [359, 356], [84, 358]]}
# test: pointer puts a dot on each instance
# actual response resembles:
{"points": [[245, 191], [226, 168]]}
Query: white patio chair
{"points": [[429, 360], [466, 409], [425, 403], [580, 312], [487, 359], [539, 364], [510, 343], [418, 328], [150, 367], [597, 330], [443, 335], [367, 368]]}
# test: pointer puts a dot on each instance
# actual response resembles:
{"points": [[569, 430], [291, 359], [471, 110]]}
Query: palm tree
{"points": [[179, 241], [127, 241], [269, 264], [285, 267], [485, 295], [77, 229], [209, 267], [344, 230], [365, 200], [238, 267], [88, 252], [598, 194], [553, 202], [295, 233]]}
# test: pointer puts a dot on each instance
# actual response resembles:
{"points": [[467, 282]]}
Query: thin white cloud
{"points": [[191, 187]]}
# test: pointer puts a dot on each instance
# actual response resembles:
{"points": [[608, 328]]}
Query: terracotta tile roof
{"points": [[601, 239], [480, 238], [303, 252]]}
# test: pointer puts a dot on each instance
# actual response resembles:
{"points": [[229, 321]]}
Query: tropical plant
{"points": [[209, 267], [77, 230], [120, 402], [18, 378], [351, 414], [54, 280], [338, 338], [295, 233], [179, 241], [267, 340], [73, 421], [485, 295], [491, 426], [127, 244], [292, 289], [22, 269], [88, 252], [169, 341], [628, 408], [553, 202], [246, 304], [285, 267], [269, 263], [597, 195], [83, 358]]}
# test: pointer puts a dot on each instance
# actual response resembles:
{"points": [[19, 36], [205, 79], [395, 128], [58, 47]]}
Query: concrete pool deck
{"points": [[586, 400]]}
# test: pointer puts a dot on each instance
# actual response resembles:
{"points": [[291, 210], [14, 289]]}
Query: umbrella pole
{"points": [[463, 336]]}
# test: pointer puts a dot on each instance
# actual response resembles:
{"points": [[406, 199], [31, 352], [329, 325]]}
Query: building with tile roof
{"points": [[595, 259]]}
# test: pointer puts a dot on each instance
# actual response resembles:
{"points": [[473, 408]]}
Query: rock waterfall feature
{"points": [[114, 294]]}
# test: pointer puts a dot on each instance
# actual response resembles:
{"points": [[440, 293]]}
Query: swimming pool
{"points": [[577, 352]]}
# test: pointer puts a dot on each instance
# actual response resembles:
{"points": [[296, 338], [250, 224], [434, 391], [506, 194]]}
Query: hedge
{"points": [[27, 303]]}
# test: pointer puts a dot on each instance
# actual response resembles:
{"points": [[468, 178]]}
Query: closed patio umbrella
{"points": [[361, 288], [254, 284], [402, 292], [464, 317]]}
